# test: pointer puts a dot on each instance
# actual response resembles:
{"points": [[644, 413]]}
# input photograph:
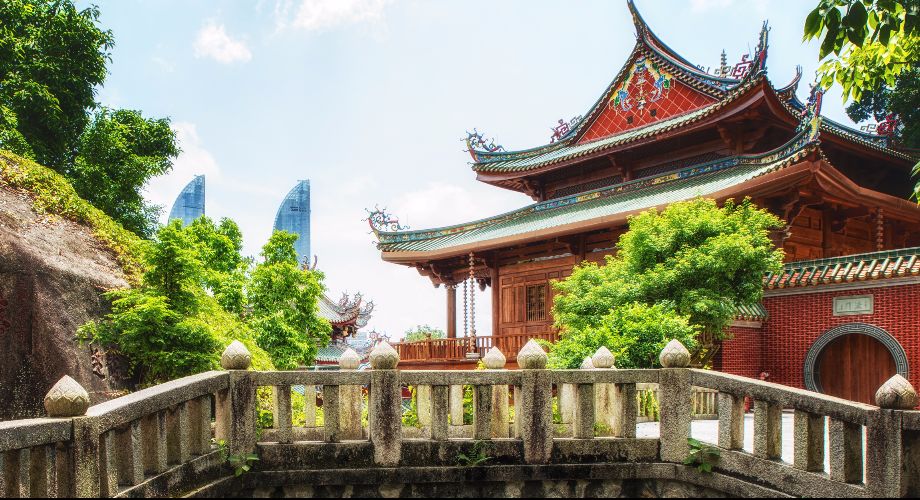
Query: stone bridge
{"points": [[192, 437]]}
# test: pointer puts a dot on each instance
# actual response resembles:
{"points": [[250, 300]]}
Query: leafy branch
{"points": [[702, 456], [476, 457], [241, 463]]}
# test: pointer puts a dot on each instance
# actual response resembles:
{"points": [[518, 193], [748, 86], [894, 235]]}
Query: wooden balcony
{"points": [[452, 353]]}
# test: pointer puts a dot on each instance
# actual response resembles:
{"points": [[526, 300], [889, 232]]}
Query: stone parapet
{"points": [[158, 442]]}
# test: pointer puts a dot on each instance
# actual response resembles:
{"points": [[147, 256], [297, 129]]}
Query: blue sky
{"points": [[369, 99]]}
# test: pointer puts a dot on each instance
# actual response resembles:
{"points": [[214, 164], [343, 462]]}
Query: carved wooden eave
{"points": [[814, 173]]}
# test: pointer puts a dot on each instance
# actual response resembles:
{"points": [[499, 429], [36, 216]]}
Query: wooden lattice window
{"points": [[536, 303]]}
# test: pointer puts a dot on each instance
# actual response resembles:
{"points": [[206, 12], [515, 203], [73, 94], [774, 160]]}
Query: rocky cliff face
{"points": [[52, 276]]}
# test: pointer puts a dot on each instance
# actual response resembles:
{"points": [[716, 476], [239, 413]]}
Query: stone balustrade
{"points": [[158, 441]]}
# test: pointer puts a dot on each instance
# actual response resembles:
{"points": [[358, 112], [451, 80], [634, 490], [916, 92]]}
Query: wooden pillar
{"points": [[496, 297], [451, 311]]}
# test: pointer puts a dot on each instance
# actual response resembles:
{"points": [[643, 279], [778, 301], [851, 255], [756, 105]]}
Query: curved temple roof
{"points": [[189, 204], [720, 89], [706, 179]]}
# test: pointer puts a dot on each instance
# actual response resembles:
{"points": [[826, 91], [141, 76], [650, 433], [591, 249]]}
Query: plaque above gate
{"points": [[855, 305]]}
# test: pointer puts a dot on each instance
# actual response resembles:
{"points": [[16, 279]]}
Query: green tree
{"points": [[635, 333], [865, 43], [423, 332], [903, 100], [118, 153], [172, 325], [871, 47], [226, 271], [175, 269], [695, 259], [52, 59], [283, 298]]}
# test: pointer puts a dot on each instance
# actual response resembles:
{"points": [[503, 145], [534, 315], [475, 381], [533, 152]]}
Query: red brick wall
{"points": [[743, 354], [796, 322]]}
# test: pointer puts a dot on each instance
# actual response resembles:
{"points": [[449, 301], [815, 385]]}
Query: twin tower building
{"points": [[293, 215]]}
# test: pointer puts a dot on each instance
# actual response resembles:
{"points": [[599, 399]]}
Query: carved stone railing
{"points": [[118, 446], [157, 442]]}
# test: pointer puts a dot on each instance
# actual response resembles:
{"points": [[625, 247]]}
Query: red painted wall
{"points": [[796, 322]]}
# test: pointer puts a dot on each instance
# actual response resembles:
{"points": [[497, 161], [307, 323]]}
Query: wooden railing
{"points": [[457, 349]]}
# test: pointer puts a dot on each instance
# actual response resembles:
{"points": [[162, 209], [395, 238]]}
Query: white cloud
{"points": [[213, 42], [320, 15], [194, 160]]}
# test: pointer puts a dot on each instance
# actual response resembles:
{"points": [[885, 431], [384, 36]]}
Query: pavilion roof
{"points": [[848, 269], [705, 179], [346, 311]]}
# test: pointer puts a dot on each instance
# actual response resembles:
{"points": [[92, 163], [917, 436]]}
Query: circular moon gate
{"points": [[813, 383]]}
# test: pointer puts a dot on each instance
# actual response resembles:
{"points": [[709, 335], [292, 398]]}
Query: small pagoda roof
{"points": [[849, 269], [347, 311], [716, 178]]}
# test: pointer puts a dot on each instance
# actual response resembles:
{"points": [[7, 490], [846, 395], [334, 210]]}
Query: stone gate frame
{"points": [[893, 346]]}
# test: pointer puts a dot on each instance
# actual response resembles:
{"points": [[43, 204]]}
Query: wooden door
{"points": [[854, 367]]}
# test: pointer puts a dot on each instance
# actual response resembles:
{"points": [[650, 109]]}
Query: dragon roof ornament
{"points": [[381, 221], [476, 142], [810, 121]]}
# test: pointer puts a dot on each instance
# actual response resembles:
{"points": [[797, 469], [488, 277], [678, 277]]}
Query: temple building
{"points": [[189, 204], [347, 316], [665, 131], [294, 217]]}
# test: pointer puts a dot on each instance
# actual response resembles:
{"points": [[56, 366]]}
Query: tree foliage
{"points": [[118, 153], [423, 332], [903, 100], [872, 48], [635, 333], [53, 57], [283, 297], [692, 264], [170, 325], [865, 43]]}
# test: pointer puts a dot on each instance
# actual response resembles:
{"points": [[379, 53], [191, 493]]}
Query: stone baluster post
{"points": [[385, 411], [676, 402], [585, 405], [607, 401], [237, 408], [888, 471], [68, 399], [351, 399], [494, 360], [456, 405], [535, 413]]}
